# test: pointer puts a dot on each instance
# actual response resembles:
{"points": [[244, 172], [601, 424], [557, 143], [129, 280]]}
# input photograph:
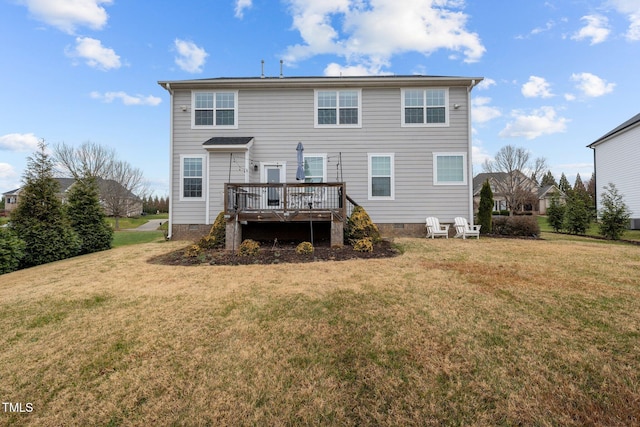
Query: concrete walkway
{"points": [[150, 225]]}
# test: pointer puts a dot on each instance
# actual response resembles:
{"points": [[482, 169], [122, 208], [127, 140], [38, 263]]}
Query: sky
{"points": [[557, 74]]}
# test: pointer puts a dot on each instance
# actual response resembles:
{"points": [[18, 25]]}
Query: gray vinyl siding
{"points": [[280, 118], [617, 162]]}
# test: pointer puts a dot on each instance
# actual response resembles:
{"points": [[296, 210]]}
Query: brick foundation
{"points": [[191, 232]]}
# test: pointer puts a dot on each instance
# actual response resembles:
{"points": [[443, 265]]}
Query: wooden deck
{"points": [[281, 203], [286, 202]]}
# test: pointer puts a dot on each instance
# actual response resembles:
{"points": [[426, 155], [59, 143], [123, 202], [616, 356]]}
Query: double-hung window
{"points": [[215, 109], [338, 108], [381, 176], [192, 177], [449, 169], [425, 107]]}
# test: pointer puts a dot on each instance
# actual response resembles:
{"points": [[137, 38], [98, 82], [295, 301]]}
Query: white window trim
{"points": [[205, 180], [393, 179], [214, 126], [324, 163], [337, 125], [464, 168], [446, 108]]}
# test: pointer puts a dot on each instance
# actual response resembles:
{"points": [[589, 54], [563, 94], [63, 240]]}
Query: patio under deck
{"points": [[281, 203]]}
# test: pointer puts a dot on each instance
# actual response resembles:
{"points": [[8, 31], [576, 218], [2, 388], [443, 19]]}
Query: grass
{"points": [[125, 238], [452, 332], [134, 222]]}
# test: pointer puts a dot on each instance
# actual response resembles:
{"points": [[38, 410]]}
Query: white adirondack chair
{"points": [[434, 228], [464, 229]]}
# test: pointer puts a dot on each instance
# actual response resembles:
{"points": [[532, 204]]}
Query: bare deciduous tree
{"points": [[515, 172], [121, 185]]}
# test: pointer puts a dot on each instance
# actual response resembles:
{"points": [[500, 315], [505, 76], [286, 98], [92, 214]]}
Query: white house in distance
{"points": [[617, 160], [278, 154]]}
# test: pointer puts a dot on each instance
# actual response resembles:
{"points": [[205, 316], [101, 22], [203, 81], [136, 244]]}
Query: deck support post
{"points": [[233, 235], [337, 233]]}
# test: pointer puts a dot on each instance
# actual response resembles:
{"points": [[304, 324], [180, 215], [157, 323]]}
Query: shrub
{"points": [[614, 215], [192, 251], [363, 245], [249, 247], [217, 234], [521, 226], [359, 226], [304, 248], [11, 251]]}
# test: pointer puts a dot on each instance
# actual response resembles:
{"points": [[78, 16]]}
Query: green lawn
{"points": [[134, 222], [124, 238]]}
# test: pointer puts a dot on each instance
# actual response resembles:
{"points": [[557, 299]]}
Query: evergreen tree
{"points": [[87, 216], [564, 185], [548, 179], [614, 215], [39, 219], [485, 209], [11, 251], [591, 191], [555, 213], [576, 215]]}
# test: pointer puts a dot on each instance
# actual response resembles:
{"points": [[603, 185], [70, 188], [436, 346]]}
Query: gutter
{"points": [[473, 84], [167, 86]]}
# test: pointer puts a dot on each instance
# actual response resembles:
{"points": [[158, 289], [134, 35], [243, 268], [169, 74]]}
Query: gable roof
{"points": [[624, 126]]}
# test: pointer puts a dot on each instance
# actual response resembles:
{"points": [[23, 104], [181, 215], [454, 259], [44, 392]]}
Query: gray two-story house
{"points": [[278, 154]]}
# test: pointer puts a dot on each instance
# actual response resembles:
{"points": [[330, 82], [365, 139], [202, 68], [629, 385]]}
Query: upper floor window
{"points": [[425, 107], [338, 108], [213, 109], [449, 168]]}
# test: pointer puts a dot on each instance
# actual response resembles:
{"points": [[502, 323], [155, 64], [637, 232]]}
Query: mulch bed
{"points": [[269, 254]]}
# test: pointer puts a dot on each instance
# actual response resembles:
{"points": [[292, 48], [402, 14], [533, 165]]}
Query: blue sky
{"points": [[558, 75]]}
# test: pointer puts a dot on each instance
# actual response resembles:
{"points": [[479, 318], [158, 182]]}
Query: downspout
{"points": [[170, 226], [595, 184], [470, 151]]}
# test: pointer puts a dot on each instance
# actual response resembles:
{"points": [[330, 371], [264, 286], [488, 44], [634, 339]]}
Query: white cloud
{"points": [[127, 99], [486, 84], [630, 8], [336, 70], [481, 112], [536, 87], [191, 58], [569, 97], [67, 15], [7, 171], [479, 155], [368, 31], [596, 29], [543, 121], [241, 5], [18, 142], [94, 54], [591, 85]]}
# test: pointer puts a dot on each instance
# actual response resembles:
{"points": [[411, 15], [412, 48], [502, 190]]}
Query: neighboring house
{"points": [[11, 200], [133, 203], [535, 200], [399, 146], [616, 159]]}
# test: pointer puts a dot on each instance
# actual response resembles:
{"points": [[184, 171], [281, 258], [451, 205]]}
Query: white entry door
{"points": [[274, 173]]}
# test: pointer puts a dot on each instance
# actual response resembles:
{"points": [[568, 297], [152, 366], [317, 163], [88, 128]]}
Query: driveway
{"points": [[150, 225]]}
